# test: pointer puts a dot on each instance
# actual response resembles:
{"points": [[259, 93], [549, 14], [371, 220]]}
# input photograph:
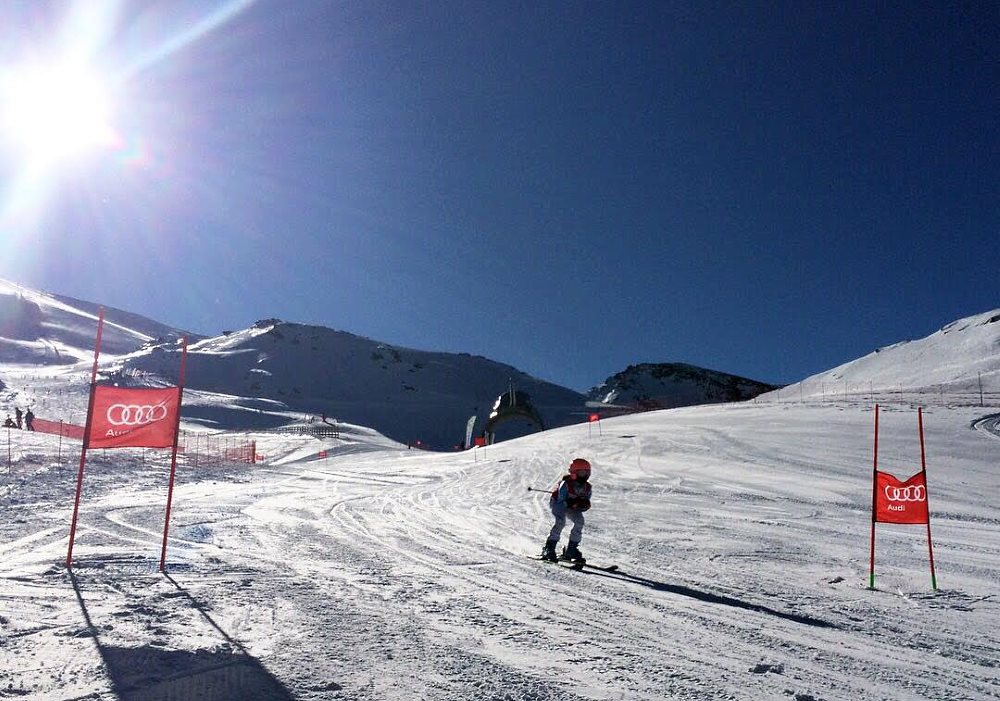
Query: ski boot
{"points": [[549, 551], [572, 553]]}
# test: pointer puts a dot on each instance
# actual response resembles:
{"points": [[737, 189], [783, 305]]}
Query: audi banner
{"points": [[134, 417], [901, 502]]}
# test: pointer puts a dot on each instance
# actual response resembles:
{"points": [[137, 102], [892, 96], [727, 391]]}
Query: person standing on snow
{"points": [[29, 418], [17, 416], [569, 500]]}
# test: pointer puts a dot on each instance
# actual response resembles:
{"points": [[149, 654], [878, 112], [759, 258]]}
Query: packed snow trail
{"points": [[741, 533]]}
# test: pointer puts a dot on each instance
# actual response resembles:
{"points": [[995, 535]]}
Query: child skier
{"points": [[570, 499]]}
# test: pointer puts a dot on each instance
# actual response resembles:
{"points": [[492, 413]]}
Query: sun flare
{"points": [[50, 112]]}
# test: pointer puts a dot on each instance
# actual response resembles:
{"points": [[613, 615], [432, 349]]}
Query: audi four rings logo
{"points": [[136, 414], [915, 492]]}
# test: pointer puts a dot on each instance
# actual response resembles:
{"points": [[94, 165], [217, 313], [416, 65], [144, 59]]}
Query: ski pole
{"points": [[534, 489]]}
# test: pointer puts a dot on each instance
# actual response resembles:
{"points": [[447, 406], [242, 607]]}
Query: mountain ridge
{"points": [[266, 374], [670, 385], [964, 354]]}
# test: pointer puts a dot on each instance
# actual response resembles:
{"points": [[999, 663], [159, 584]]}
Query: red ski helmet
{"points": [[579, 469]]}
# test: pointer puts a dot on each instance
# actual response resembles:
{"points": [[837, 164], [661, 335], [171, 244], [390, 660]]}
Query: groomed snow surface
{"points": [[741, 532]]}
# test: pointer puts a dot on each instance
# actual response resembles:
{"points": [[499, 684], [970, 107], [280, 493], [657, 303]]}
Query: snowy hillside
{"points": [[37, 328], [957, 359], [407, 394], [276, 369], [670, 385]]}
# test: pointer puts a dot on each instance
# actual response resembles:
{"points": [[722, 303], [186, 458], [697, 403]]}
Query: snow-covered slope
{"points": [[953, 360], [37, 328], [258, 376], [409, 395], [740, 532]]}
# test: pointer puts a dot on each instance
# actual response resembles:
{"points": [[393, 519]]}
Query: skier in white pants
{"points": [[569, 500]]}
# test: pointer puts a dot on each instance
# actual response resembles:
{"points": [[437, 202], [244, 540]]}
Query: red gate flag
{"points": [[901, 502], [134, 417]]}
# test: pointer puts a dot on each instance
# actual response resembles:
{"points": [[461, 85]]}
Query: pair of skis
{"points": [[578, 564]]}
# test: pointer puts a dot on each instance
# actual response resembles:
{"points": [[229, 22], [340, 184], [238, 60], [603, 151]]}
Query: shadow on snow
{"points": [[148, 673], [710, 598]]}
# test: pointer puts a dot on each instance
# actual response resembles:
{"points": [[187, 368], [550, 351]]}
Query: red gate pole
{"points": [[86, 438], [871, 567], [173, 458], [923, 469]]}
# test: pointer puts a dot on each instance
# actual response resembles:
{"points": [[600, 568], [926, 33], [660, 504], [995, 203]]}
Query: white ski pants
{"points": [[561, 513]]}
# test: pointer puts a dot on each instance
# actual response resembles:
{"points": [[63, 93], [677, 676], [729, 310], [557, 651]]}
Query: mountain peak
{"points": [[668, 385]]}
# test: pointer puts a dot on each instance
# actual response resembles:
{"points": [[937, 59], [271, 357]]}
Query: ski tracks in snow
{"points": [[402, 574]]}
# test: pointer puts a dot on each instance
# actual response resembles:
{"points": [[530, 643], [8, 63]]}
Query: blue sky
{"points": [[770, 189]]}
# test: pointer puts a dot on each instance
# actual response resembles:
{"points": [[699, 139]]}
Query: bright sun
{"points": [[52, 112]]}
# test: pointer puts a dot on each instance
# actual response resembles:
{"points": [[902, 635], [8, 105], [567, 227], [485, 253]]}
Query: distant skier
{"points": [[29, 418], [17, 416], [9, 422], [569, 500]]}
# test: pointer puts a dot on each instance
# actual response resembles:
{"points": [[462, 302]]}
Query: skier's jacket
{"points": [[571, 494]]}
